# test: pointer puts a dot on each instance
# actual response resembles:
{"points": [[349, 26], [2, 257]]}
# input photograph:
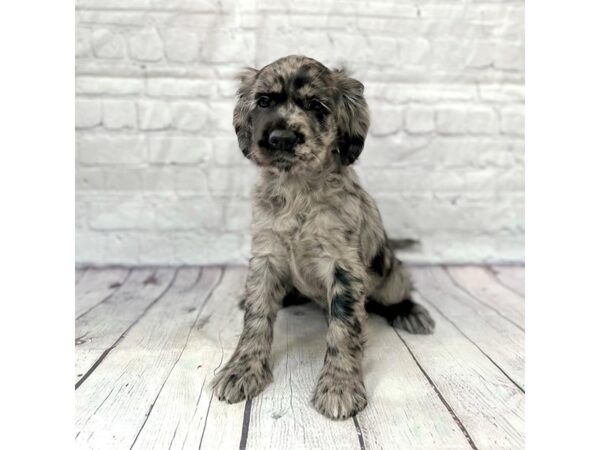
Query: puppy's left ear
{"points": [[352, 117], [241, 112]]}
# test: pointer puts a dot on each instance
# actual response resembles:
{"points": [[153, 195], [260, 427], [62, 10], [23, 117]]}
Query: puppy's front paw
{"points": [[340, 399], [237, 382], [416, 320]]}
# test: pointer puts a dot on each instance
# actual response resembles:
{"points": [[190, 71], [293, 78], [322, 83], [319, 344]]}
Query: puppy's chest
{"points": [[290, 222], [303, 224], [313, 232]]}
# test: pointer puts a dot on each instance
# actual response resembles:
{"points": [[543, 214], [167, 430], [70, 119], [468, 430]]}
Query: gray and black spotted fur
{"points": [[315, 232]]}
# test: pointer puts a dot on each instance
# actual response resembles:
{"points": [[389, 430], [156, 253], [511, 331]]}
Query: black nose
{"points": [[283, 139]]}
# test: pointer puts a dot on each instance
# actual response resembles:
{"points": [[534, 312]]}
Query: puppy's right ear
{"points": [[241, 112]]}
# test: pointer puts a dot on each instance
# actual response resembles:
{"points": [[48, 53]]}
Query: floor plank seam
{"points": [[287, 373], [174, 434], [120, 338], [94, 413], [212, 394], [153, 403], [187, 339], [246, 424], [439, 394], [517, 385], [81, 275], [484, 300], [195, 411], [361, 441], [493, 273], [455, 283], [109, 296]]}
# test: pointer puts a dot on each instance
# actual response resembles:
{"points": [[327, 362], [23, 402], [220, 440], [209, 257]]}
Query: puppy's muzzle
{"points": [[283, 140]]}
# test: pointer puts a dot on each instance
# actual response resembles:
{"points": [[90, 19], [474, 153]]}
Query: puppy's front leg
{"points": [[340, 391], [247, 373]]}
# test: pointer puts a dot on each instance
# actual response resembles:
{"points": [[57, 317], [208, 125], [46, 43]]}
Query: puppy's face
{"points": [[297, 115]]}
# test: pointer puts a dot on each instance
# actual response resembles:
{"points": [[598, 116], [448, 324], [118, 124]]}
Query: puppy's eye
{"points": [[263, 101], [316, 106]]}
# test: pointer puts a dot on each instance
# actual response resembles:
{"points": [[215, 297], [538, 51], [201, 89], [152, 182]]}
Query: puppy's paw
{"points": [[238, 382], [340, 399], [415, 319]]}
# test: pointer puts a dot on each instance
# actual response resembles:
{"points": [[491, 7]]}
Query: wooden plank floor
{"points": [[149, 341]]}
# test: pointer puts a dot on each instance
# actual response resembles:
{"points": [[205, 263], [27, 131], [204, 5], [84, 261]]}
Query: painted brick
{"points": [[237, 214], [118, 4], [226, 47], [181, 45], [89, 178], [189, 116], [123, 179], [108, 85], [460, 120], [420, 119], [160, 178], [93, 247], [221, 116], [192, 213], [169, 87], [175, 179], [98, 149], [510, 57], [222, 248], [108, 44], [83, 43], [231, 182], [178, 150], [153, 115], [88, 113], [226, 152], [386, 120], [119, 114], [502, 93], [121, 213], [513, 120], [416, 52], [146, 45]]}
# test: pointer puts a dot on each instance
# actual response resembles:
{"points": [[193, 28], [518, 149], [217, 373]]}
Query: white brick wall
{"points": [[160, 179]]}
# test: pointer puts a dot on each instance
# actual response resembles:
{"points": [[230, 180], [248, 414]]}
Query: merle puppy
{"points": [[315, 232]]}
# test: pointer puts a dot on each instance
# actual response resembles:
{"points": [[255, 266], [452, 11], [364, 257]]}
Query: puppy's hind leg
{"points": [[393, 300]]}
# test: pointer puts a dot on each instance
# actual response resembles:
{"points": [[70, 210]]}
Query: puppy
{"points": [[315, 232]]}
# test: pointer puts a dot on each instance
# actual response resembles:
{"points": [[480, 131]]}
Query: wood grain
{"points": [[151, 347], [500, 340], [404, 410], [487, 404], [282, 416], [114, 404], [513, 277], [79, 273], [100, 329], [186, 415], [97, 286], [485, 288]]}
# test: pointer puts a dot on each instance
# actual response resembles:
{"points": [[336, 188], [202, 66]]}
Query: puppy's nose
{"points": [[283, 139]]}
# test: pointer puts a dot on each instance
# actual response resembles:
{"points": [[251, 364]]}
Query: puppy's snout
{"points": [[283, 140]]}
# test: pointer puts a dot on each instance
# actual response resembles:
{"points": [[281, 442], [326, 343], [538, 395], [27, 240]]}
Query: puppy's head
{"points": [[296, 115]]}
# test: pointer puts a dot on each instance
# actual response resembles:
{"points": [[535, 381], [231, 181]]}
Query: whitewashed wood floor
{"points": [[149, 341]]}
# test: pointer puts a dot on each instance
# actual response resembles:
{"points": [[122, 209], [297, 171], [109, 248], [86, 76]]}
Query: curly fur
{"points": [[315, 232]]}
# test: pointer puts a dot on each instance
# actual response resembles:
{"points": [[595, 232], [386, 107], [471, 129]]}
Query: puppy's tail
{"points": [[403, 244]]}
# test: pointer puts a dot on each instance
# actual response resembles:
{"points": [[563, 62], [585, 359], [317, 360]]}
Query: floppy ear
{"points": [[352, 117], [241, 112]]}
